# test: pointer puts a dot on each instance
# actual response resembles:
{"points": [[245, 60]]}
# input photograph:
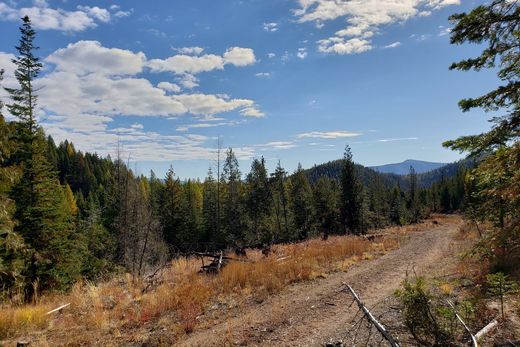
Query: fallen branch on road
{"points": [[382, 330]]}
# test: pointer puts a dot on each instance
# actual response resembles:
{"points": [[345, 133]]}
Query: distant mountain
{"points": [[332, 169], [404, 167]]}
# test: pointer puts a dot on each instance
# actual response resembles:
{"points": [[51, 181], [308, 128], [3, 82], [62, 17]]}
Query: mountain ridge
{"points": [[403, 168]]}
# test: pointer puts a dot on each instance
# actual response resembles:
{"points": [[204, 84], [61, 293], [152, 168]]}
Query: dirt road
{"points": [[311, 314]]}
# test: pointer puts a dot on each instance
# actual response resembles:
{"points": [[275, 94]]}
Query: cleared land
{"points": [[293, 297], [310, 314]]}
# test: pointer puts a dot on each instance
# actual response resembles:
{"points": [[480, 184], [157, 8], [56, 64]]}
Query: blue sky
{"points": [[292, 80]]}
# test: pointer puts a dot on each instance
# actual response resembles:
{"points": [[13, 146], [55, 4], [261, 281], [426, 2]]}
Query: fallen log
{"points": [[473, 337], [382, 330], [485, 330], [59, 309]]}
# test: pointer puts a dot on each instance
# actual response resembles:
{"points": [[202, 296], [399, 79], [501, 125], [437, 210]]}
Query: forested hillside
{"points": [[68, 215]]}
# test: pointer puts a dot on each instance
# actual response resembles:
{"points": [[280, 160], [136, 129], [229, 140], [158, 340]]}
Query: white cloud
{"points": [[364, 19], [87, 86], [252, 111], [98, 13], [444, 31], [341, 46], [122, 14], [393, 45], [85, 57], [188, 64], [277, 145], [239, 56], [190, 50], [45, 18], [328, 134], [302, 53], [270, 27], [263, 74], [186, 127], [169, 87], [271, 55]]}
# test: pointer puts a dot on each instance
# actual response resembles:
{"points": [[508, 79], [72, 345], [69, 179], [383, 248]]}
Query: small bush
{"points": [[429, 322]]}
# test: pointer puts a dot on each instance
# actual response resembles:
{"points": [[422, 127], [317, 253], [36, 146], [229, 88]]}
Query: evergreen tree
{"points": [[397, 215], [351, 205], [301, 203], [258, 203], [45, 221], [209, 209], [231, 209], [24, 98], [173, 220], [414, 197], [326, 205], [192, 212], [280, 201]]}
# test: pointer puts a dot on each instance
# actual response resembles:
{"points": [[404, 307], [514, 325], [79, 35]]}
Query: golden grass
{"points": [[24, 318], [119, 308]]}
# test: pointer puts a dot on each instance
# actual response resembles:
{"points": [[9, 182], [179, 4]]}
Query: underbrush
{"points": [[183, 295], [478, 292]]}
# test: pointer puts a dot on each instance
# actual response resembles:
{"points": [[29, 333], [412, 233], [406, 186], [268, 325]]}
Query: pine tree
{"points": [[173, 220], [496, 25], [193, 212], [24, 98], [280, 199], [45, 221], [414, 197], [231, 189], [351, 196], [258, 203], [396, 207], [301, 203], [209, 209], [326, 205]]}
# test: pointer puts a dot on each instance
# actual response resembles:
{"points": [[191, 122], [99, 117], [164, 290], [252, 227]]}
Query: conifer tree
{"points": [[280, 199], [24, 98], [325, 199], [209, 209], [351, 196], [45, 221], [414, 196], [172, 217], [231, 209], [258, 203], [301, 203]]}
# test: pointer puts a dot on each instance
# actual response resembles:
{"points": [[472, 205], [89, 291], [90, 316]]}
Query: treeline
{"points": [[66, 215]]}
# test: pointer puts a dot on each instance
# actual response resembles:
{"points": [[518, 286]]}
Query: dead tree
{"points": [[372, 320]]}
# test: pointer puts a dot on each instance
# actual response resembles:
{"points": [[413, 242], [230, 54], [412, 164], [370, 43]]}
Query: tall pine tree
{"points": [[351, 206]]}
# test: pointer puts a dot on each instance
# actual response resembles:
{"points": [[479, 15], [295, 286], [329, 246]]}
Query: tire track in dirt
{"points": [[309, 314]]}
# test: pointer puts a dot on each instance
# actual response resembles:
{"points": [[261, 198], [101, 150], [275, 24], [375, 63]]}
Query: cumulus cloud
{"points": [[239, 56], [85, 57], [169, 87], [328, 134], [87, 86], [188, 64], [45, 18], [364, 19]]}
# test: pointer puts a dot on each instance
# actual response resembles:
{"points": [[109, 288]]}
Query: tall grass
{"points": [[184, 295]]}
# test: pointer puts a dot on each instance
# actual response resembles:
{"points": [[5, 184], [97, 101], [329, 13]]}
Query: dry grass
{"points": [[119, 308]]}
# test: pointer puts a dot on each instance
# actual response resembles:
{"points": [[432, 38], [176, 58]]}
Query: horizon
{"points": [[285, 80]]}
